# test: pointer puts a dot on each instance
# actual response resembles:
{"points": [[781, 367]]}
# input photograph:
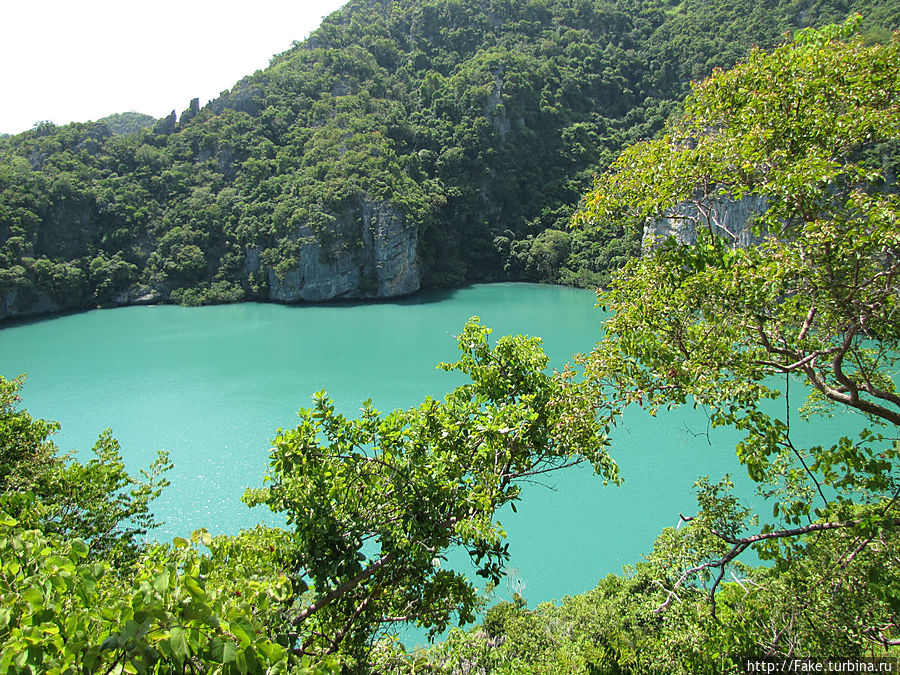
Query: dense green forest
{"points": [[372, 504], [403, 144]]}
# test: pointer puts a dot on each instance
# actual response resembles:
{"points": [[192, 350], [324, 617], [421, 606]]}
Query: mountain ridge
{"points": [[479, 124]]}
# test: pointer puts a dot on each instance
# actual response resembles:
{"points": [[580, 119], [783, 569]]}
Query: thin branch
{"points": [[348, 585], [671, 595], [549, 469], [727, 558], [739, 545], [794, 532], [809, 359], [712, 593], [837, 365], [787, 405], [807, 323], [336, 641]]}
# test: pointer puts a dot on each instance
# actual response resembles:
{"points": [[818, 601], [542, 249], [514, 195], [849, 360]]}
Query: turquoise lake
{"points": [[213, 384]]}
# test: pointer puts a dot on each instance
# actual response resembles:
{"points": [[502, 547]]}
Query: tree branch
{"points": [[807, 323], [863, 405], [794, 532], [741, 544], [350, 584]]}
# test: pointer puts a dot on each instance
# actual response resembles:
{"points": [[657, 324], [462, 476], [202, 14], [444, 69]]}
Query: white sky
{"points": [[79, 60]]}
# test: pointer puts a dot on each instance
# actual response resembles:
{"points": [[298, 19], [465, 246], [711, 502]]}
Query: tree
{"points": [[810, 130], [82, 590], [181, 610], [372, 504], [97, 501], [375, 502]]}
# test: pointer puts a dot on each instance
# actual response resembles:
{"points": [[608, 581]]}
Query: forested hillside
{"points": [[371, 506], [402, 144]]}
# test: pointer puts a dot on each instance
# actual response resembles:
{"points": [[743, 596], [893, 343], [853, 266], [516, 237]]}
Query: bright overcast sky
{"points": [[79, 60]]}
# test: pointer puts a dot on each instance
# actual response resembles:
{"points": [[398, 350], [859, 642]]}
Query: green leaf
{"points": [[273, 652], [161, 581], [111, 642], [197, 593], [241, 661], [242, 630], [6, 657], [34, 597], [229, 652], [179, 644], [79, 548]]}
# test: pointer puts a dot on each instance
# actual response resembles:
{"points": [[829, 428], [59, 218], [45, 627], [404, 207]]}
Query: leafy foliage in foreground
{"points": [[813, 304], [812, 129], [178, 611], [482, 123], [82, 592], [97, 502], [372, 506], [829, 597], [375, 503]]}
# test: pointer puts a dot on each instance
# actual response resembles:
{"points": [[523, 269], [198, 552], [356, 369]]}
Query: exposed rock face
{"points": [[192, 111], [729, 218], [15, 304], [7, 301], [371, 254], [243, 97], [166, 125], [22, 304], [376, 258], [139, 294]]}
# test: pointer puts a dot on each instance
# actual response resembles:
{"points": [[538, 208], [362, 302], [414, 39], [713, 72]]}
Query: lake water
{"points": [[211, 385]]}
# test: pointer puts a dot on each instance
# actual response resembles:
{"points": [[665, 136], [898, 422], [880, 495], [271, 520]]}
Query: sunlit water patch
{"points": [[211, 385]]}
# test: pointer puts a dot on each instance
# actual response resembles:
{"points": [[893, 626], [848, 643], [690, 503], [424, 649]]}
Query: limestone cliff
{"points": [[18, 303], [728, 218], [375, 257], [370, 254]]}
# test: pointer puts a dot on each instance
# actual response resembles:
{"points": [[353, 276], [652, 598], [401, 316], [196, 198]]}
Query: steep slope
{"points": [[403, 144]]}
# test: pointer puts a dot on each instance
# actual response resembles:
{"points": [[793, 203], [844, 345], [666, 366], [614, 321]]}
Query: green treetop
{"points": [[374, 503], [811, 129]]}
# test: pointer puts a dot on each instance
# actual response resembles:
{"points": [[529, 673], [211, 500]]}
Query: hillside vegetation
{"points": [[371, 506], [404, 143]]}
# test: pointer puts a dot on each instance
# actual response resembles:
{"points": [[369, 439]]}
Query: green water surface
{"points": [[211, 385]]}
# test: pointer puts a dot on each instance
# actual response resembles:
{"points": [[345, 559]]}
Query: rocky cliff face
{"points": [[371, 254], [375, 258], [728, 218], [15, 303]]}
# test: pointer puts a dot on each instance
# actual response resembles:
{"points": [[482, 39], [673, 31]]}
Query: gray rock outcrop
{"points": [[14, 304], [139, 294], [374, 258], [729, 218], [165, 125]]}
